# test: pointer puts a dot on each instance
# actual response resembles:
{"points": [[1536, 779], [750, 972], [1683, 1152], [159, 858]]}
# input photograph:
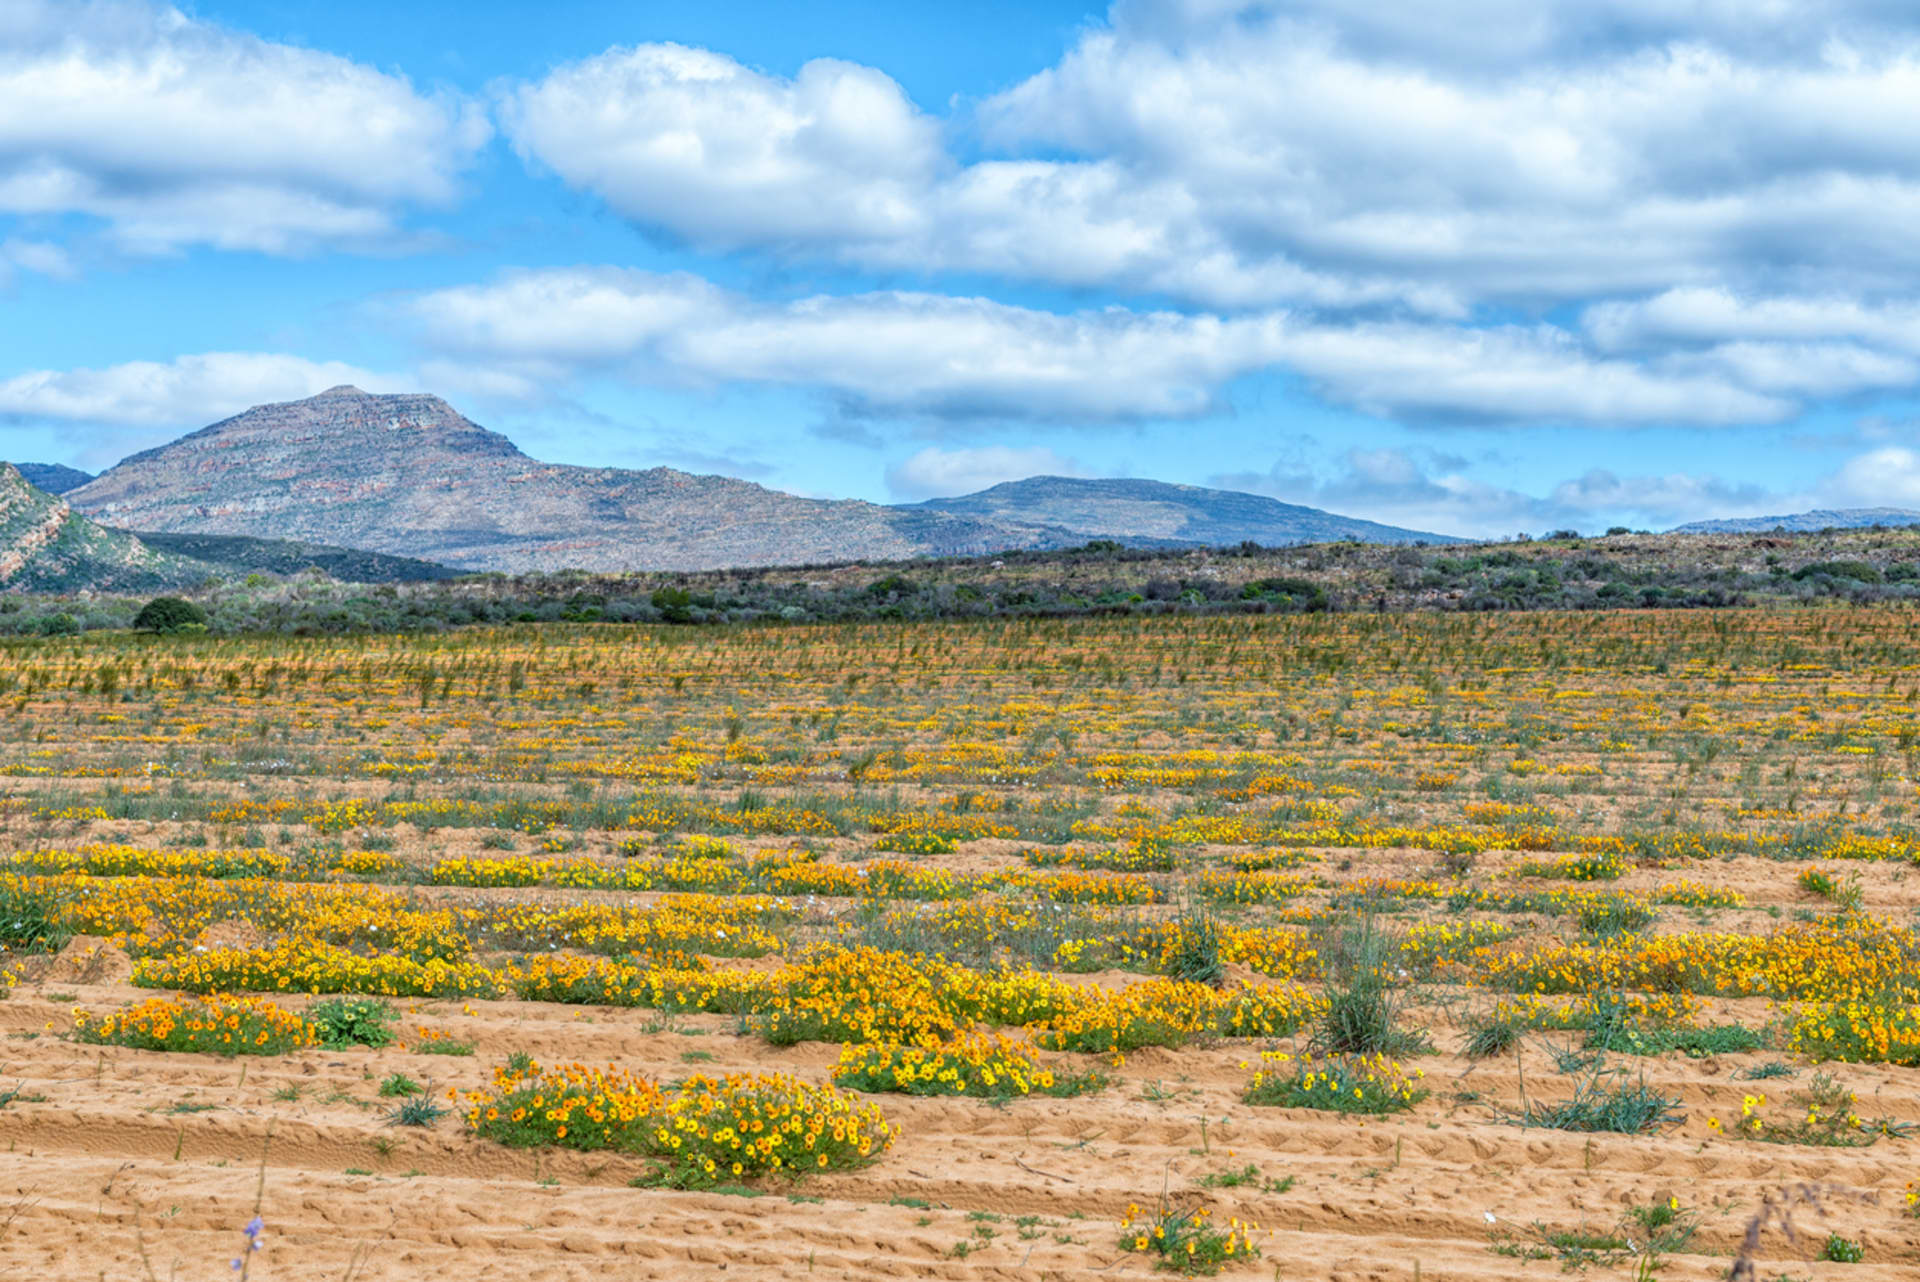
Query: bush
{"points": [[674, 604], [1858, 571], [353, 1021], [169, 615]]}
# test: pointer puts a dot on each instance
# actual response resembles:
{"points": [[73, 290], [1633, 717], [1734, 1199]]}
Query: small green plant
{"points": [[399, 1086], [1621, 1109], [353, 1021], [1846, 895], [1247, 1176], [1365, 1084], [1766, 1071], [1491, 1037], [1363, 1005], [442, 1046], [417, 1111], [1841, 1250], [1611, 915], [1195, 958], [1185, 1240]]}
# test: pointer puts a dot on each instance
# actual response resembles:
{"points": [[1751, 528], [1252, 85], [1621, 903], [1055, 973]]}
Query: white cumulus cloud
{"points": [[940, 473], [190, 391], [178, 132], [967, 357]]}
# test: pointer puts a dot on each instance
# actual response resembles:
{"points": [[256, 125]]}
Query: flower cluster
{"points": [[217, 1025], [987, 1067], [706, 1131]]}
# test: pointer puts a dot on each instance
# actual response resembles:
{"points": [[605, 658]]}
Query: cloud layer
{"points": [[1324, 153], [190, 391], [175, 132], [942, 356]]}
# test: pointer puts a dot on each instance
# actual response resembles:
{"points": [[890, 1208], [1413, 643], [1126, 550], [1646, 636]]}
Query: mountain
{"points": [[54, 478], [45, 546], [409, 476], [1818, 519], [1156, 513]]}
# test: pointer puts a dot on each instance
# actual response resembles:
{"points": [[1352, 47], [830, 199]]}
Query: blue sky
{"points": [[1477, 266]]}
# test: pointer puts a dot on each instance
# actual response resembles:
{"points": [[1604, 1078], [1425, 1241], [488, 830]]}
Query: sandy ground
{"points": [[125, 1164]]}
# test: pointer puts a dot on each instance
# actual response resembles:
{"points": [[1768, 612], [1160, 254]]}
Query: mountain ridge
{"points": [[409, 475], [1813, 519], [1179, 515], [53, 478], [46, 546]]}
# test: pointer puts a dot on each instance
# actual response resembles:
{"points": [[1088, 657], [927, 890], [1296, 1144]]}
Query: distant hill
{"points": [[1818, 519], [1150, 513], [45, 546], [237, 554], [54, 478], [409, 476]]}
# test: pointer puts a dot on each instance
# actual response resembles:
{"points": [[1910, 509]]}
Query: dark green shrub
{"points": [[675, 604], [168, 615], [353, 1021], [1858, 571]]}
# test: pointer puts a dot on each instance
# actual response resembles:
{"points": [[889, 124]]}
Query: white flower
{"points": [[1489, 1215]]}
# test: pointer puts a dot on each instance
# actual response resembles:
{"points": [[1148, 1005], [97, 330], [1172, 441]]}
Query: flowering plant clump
{"points": [[977, 1065], [1371, 1084], [1186, 1240], [1584, 866], [706, 1131], [1823, 1114], [1880, 1030], [1165, 1012], [217, 1025]]}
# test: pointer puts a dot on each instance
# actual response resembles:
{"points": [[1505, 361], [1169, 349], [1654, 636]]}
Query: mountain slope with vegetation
{"points": [[237, 554], [45, 546], [1155, 513]]}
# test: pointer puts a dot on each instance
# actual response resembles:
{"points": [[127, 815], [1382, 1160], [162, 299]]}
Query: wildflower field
{"points": [[1299, 946]]}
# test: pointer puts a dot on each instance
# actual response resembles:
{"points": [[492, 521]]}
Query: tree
{"points": [[170, 615]]}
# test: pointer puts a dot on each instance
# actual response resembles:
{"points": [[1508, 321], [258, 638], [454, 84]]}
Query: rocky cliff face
{"points": [[408, 475]]}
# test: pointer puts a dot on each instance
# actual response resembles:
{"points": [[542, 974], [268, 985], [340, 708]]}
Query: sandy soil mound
{"points": [[88, 960]]}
